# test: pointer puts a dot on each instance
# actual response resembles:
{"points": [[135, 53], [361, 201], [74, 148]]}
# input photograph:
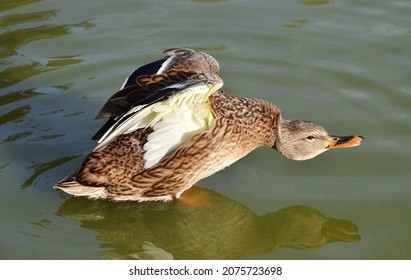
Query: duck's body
{"points": [[170, 126]]}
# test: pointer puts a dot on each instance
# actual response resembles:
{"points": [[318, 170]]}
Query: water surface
{"points": [[343, 64]]}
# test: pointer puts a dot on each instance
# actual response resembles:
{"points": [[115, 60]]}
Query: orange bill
{"points": [[345, 141]]}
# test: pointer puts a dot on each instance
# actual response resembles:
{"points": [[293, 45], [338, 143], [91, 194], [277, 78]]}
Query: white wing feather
{"points": [[175, 128]]}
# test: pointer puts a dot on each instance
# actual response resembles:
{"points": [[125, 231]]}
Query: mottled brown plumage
{"points": [[217, 129]]}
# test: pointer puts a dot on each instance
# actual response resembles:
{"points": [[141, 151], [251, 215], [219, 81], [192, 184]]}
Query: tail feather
{"points": [[71, 186]]}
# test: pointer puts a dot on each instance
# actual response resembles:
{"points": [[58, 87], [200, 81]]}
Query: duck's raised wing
{"points": [[156, 81]]}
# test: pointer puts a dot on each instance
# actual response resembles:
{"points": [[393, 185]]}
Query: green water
{"points": [[343, 64]]}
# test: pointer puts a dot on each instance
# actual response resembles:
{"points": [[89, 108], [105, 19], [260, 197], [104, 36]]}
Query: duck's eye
{"points": [[310, 137]]}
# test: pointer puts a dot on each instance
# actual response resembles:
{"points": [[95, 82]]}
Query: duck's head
{"points": [[301, 140]]}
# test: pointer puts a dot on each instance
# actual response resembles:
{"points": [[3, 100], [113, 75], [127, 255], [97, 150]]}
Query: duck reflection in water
{"points": [[214, 228]]}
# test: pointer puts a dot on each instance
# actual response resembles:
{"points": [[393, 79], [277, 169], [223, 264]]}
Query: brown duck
{"points": [[170, 126]]}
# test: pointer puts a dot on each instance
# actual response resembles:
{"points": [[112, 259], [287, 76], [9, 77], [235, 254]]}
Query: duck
{"points": [[170, 125]]}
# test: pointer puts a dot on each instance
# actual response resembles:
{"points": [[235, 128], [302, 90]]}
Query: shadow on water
{"points": [[202, 225]]}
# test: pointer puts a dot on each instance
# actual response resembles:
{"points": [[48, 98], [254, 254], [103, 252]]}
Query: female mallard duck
{"points": [[170, 126]]}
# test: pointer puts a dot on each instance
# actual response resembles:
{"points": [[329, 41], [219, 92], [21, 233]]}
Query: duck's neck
{"points": [[282, 137], [280, 127]]}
